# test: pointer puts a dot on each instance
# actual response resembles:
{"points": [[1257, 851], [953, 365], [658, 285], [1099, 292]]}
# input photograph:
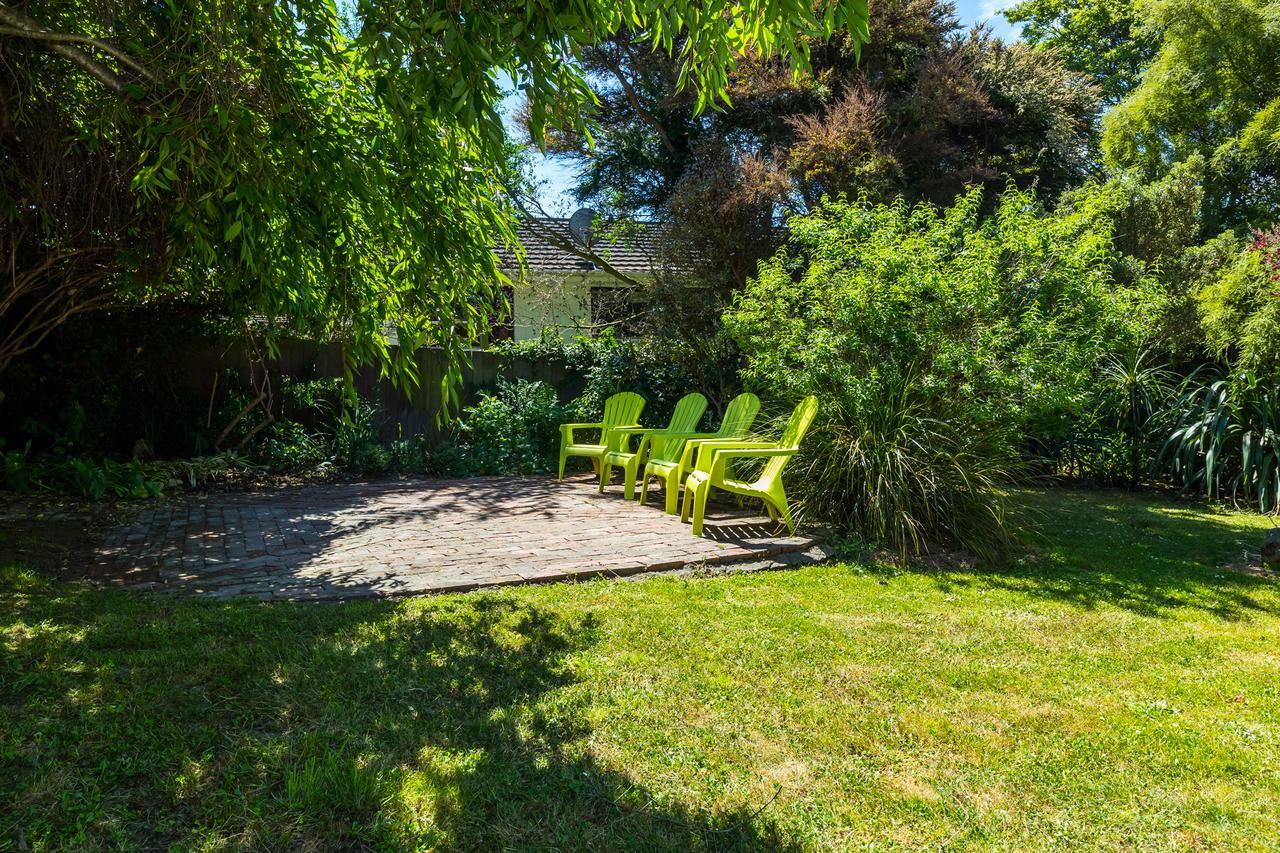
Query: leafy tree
{"points": [[1241, 309], [331, 174], [936, 339], [923, 110], [1213, 91], [1100, 38]]}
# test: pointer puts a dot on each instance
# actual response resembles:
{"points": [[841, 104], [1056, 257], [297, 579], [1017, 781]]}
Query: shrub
{"points": [[1224, 438], [357, 441], [513, 431], [1240, 311], [24, 472], [935, 339], [895, 471], [290, 447], [610, 364], [1114, 440]]}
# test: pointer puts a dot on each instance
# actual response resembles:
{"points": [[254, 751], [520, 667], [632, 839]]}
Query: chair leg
{"points": [[605, 470], [700, 507], [687, 505], [629, 478], [779, 501], [562, 459], [671, 485], [644, 486]]}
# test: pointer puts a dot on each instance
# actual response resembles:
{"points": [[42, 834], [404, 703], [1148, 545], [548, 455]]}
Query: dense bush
{"points": [[515, 430], [108, 384], [1240, 311], [610, 364], [1113, 439], [1224, 438], [900, 471], [25, 471], [935, 340]]}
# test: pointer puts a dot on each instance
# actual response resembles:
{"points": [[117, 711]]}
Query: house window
{"points": [[618, 307]]}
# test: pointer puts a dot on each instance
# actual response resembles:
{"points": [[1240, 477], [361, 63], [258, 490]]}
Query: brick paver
{"points": [[422, 536]]}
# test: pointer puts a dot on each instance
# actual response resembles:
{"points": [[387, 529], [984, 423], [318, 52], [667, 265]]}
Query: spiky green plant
{"points": [[1225, 438], [1134, 389], [896, 470]]}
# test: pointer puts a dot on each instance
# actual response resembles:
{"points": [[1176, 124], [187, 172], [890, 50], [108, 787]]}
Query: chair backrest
{"points": [[622, 409], [739, 416], [688, 412], [684, 419], [797, 426]]}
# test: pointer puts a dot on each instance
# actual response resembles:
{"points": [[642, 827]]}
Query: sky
{"points": [[556, 177]]}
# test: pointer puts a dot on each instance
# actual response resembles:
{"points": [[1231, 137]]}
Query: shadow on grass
{"points": [[453, 723], [1147, 554]]}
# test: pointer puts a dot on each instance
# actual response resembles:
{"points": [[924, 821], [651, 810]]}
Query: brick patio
{"points": [[423, 536]]}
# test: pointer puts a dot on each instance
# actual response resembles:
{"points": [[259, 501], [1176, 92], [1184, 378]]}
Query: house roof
{"points": [[635, 251]]}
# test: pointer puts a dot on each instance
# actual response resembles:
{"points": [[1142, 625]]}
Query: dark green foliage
{"points": [[515, 430], [1115, 437], [289, 446], [101, 385], [611, 364], [935, 340], [1224, 438], [100, 478], [84, 477], [357, 442]]}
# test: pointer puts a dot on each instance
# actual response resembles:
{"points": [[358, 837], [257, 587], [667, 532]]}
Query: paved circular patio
{"points": [[420, 536]]}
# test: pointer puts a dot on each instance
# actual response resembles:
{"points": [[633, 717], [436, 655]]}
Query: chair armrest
{"points": [[720, 457], [687, 436], [708, 450], [693, 441], [749, 453], [566, 430]]}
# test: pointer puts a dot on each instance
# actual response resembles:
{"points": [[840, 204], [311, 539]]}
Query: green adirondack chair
{"points": [[670, 462], [713, 456], [620, 410], [659, 442]]}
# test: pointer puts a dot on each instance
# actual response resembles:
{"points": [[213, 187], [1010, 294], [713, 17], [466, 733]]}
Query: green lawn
{"points": [[1117, 689]]}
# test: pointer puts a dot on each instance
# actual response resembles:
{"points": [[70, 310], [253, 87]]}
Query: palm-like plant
{"points": [[1225, 438], [1135, 390]]}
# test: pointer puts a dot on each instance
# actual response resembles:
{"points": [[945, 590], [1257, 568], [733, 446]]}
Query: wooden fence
{"points": [[403, 414]]}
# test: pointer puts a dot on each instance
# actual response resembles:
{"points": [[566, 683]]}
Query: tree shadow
{"points": [[454, 724], [1151, 556], [398, 537]]}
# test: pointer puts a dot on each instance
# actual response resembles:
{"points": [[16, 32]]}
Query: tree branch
{"points": [[16, 24], [634, 100], [534, 221]]}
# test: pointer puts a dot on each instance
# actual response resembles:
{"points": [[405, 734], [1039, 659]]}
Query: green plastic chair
{"points": [[713, 456], [658, 442], [620, 410], [675, 457]]}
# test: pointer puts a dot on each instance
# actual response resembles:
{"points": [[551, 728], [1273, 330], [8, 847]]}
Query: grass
{"points": [[1116, 689]]}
